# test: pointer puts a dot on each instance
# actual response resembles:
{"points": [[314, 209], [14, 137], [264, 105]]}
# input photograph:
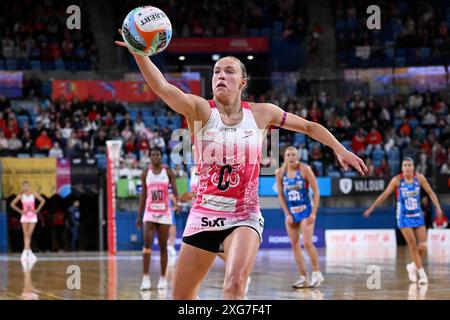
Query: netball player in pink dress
{"points": [[28, 216], [157, 217], [228, 137]]}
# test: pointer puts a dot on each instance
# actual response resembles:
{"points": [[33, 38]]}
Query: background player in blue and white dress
{"points": [[293, 181], [410, 217]]}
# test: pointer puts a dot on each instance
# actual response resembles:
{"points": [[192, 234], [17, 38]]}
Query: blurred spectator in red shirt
{"points": [[43, 142], [358, 142], [406, 128]]}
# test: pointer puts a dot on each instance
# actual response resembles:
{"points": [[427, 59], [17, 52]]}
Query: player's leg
{"points": [[148, 234], [308, 232], [240, 247], [413, 267], [293, 231], [421, 236], [163, 235], [192, 266]]}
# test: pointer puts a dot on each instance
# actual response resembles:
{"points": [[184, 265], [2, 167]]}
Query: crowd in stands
{"points": [[34, 35], [195, 18], [380, 130], [412, 32]]}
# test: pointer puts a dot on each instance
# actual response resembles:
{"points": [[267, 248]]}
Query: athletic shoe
{"points": [[32, 256], [412, 271], [300, 283], [162, 284], [247, 286], [24, 255], [316, 279], [146, 285], [423, 279], [172, 251]]}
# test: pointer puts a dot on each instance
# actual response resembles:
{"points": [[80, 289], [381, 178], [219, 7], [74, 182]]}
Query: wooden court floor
{"points": [[346, 270]]}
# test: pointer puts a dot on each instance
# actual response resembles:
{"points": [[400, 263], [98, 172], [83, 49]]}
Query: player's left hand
{"points": [[439, 213], [347, 158], [311, 219]]}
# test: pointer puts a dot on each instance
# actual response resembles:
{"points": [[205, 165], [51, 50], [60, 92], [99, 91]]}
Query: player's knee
{"points": [[308, 245], [147, 249], [295, 244], [234, 284], [422, 246]]}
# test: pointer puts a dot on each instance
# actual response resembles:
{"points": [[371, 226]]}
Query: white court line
{"points": [[74, 258]]}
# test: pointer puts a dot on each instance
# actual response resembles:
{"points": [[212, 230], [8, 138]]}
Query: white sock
{"points": [[413, 264], [146, 276]]}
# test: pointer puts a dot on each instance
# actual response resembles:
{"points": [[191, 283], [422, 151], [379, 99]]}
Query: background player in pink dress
{"points": [[154, 207], [226, 215], [28, 217]]}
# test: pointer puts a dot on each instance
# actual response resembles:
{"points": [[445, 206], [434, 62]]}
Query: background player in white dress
{"points": [[154, 205], [28, 216]]}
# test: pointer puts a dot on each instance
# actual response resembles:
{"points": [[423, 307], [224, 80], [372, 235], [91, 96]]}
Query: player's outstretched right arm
{"points": [[390, 188], [189, 105]]}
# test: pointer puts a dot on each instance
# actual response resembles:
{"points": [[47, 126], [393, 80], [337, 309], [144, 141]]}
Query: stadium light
{"points": [[250, 57], [181, 58], [215, 57]]}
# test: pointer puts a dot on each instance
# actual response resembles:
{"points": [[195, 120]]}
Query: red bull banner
{"points": [[128, 91], [217, 45]]}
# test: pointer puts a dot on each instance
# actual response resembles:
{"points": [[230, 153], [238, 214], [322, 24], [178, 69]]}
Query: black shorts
{"points": [[211, 241]]}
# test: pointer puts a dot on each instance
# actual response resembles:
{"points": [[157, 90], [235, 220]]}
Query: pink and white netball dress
{"points": [[193, 182], [28, 207], [228, 170], [157, 203]]}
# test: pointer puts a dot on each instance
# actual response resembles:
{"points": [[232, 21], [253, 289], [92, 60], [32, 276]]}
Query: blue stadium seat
{"points": [[253, 32], [35, 65], [319, 167], [341, 25], [149, 121], [23, 155], [334, 174], [101, 160], [60, 65], [11, 64], [48, 65], [71, 65], [400, 62], [413, 123], [266, 32], [176, 120], [22, 64], [39, 155], [350, 174], [21, 120], [398, 123], [119, 118], [342, 56], [347, 144], [377, 156], [299, 139], [133, 113], [163, 121], [425, 52], [400, 53]]}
